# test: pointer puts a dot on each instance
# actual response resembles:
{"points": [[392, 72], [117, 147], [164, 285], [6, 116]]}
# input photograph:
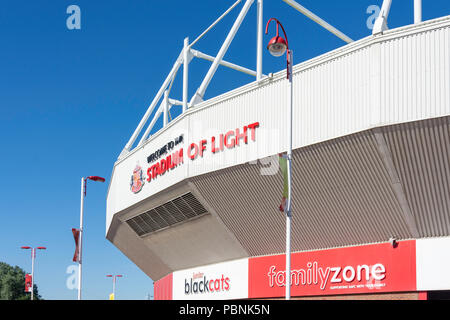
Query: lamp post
{"points": [[80, 231], [277, 47], [114, 276], [33, 257]]}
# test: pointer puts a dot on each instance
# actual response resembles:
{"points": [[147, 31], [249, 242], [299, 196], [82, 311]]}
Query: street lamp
{"points": [[78, 234], [114, 276], [33, 257], [277, 47]]}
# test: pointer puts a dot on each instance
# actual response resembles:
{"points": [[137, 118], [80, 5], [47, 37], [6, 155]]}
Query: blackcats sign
{"points": [[200, 284]]}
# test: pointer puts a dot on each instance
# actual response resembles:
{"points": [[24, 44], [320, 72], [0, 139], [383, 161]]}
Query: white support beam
{"points": [[174, 102], [318, 20], [224, 63], [380, 24], [198, 96], [165, 108], [186, 61], [417, 11], [259, 39], [214, 23], [152, 124], [147, 114]]}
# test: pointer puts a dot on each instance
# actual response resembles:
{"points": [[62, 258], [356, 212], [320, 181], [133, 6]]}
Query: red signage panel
{"points": [[362, 269]]}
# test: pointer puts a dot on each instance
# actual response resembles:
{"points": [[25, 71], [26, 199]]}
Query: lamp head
{"points": [[277, 46], [96, 178]]}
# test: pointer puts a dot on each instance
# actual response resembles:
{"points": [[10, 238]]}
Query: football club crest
{"points": [[137, 179]]}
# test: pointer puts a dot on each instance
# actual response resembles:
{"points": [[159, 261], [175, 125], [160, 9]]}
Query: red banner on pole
{"points": [[76, 236], [28, 282]]}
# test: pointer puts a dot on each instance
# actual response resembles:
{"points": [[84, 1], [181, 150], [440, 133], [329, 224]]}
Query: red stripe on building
{"points": [[163, 288]]}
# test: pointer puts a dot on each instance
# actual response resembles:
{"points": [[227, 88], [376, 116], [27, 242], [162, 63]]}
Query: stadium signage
{"points": [[363, 269], [350, 270], [169, 157], [229, 140], [225, 280], [338, 277], [165, 149], [198, 284]]}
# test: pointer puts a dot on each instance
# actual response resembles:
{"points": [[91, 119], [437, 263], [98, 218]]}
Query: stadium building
{"points": [[196, 204]]}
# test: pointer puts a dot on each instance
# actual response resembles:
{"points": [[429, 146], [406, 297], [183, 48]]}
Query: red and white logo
{"points": [[137, 179]]}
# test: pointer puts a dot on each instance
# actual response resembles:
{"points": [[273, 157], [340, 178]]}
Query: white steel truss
{"points": [[188, 53], [381, 25]]}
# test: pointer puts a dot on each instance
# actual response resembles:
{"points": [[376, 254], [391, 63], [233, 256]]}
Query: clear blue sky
{"points": [[70, 100]]}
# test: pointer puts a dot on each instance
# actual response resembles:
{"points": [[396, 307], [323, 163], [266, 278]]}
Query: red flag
{"points": [[76, 236], [28, 283]]}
